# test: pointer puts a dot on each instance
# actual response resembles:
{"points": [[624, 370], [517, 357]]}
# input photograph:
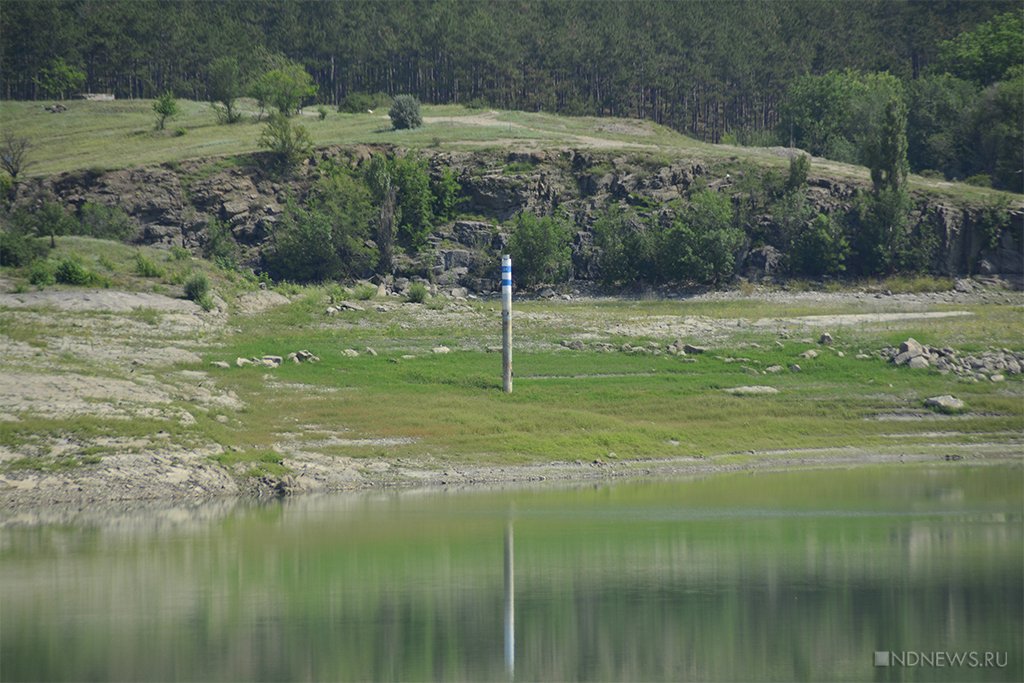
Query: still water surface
{"points": [[783, 576]]}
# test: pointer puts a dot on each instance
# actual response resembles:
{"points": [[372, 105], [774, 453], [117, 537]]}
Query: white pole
{"points": [[510, 603], [506, 322]]}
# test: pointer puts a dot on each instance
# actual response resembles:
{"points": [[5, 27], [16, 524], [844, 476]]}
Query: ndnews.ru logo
{"points": [[973, 659]]}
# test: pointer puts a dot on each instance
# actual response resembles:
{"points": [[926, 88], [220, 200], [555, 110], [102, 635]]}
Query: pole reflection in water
{"points": [[510, 603]]}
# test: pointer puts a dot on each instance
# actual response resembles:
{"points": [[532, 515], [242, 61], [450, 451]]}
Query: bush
{"points": [[364, 292], [415, 200], [701, 244], [627, 249], [405, 112], [288, 143], [178, 254], [540, 249], [71, 271], [417, 293], [146, 267], [446, 191], [105, 222], [42, 272], [220, 246], [197, 287], [819, 248], [166, 107], [322, 112], [18, 249]]}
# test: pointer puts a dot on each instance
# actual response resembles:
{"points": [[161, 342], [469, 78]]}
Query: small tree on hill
{"points": [[284, 88], [540, 248], [14, 151], [289, 143], [405, 112], [166, 107], [60, 78], [225, 86]]}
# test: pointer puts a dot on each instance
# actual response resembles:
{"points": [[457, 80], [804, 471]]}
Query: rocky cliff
{"points": [[174, 204]]}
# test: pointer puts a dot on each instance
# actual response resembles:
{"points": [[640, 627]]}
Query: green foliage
{"points": [[417, 293], [326, 238], [224, 86], [879, 221], [937, 123], [105, 222], [819, 248], [411, 179], [378, 179], [405, 112], [702, 242], [71, 271], [59, 79], [220, 245], [799, 169], [986, 53], [446, 191], [626, 246], [42, 272], [289, 143], [178, 254], [166, 107], [992, 220], [364, 292], [284, 88], [19, 248], [322, 112], [197, 287], [995, 142], [146, 267], [540, 248], [884, 148]]}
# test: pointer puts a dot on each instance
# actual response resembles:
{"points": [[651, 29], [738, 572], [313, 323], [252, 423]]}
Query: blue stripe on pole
{"points": [[506, 269], [506, 283]]}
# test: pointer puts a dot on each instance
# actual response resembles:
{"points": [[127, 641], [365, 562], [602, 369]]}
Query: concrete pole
{"points": [[506, 323]]}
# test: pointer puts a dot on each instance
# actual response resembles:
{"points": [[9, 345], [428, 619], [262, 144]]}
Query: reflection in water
{"points": [[510, 603], [798, 576]]}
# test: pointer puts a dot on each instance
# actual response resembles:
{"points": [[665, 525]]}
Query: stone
{"points": [[918, 363], [349, 306], [913, 347], [493, 349], [382, 290], [998, 378], [440, 349], [751, 391], [459, 292], [220, 364], [276, 360], [242, 362], [946, 404], [331, 310], [825, 339], [694, 350], [773, 369], [862, 356], [809, 354], [795, 368], [223, 419], [370, 351], [546, 293], [575, 344], [350, 353], [235, 208]]}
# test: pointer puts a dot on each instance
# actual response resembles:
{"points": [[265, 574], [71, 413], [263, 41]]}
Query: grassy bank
{"points": [[113, 135]]}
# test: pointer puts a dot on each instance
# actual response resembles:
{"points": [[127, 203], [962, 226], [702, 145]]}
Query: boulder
{"points": [[441, 349], [946, 404], [825, 339], [242, 362], [220, 364], [751, 391], [350, 353], [575, 344], [693, 350], [918, 363], [809, 354]]}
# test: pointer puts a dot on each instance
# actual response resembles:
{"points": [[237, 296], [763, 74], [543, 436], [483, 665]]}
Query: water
{"points": [[785, 576]]}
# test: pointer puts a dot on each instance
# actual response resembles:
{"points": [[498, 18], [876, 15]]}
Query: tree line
{"points": [[702, 67]]}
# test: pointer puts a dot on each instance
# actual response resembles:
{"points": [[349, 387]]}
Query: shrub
{"points": [[71, 271], [446, 191], [364, 292], [166, 107], [415, 200], [220, 246], [702, 242], [178, 254], [322, 112], [197, 286], [819, 248], [18, 249], [361, 102], [417, 293], [146, 267], [540, 249], [799, 168], [627, 249], [105, 222], [42, 272], [288, 143], [405, 112]]}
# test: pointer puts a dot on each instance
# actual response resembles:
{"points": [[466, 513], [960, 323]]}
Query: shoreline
{"points": [[19, 507]]}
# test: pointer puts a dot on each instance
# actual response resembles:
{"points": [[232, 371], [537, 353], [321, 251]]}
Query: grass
{"points": [[112, 135]]}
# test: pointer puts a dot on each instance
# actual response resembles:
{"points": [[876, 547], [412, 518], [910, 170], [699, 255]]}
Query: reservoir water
{"points": [[805, 575]]}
